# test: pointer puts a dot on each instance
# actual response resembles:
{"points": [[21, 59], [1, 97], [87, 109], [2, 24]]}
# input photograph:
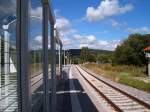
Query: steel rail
{"points": [[121, 91], [101, 94], [109, 100]]}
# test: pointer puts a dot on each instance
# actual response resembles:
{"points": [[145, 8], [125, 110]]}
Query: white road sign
{"points": [[148, 55]]}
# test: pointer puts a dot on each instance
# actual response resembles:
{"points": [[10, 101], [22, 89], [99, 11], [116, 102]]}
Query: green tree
{"points": [[87, 55], [84, 54], [105, 58], [91, 58], [131, 50]]}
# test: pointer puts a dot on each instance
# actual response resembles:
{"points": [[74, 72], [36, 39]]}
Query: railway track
{"points": [[116, 98]]}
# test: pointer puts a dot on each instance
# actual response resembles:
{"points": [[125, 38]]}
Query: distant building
{"points": [[147, 48]]}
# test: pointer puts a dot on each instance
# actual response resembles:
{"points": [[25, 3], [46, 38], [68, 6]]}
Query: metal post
{"points": [[45, 56], [61, 61], [53, 70], [22, 56], [59, 58], [64, 57], [6, 61], [67, 57], [6, 52]]}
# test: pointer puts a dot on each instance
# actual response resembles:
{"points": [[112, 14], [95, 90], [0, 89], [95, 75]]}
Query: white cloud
{"points": [[83, 45], [66, 41], [115, 23], [77, 37], [103, 42], [38, 40], [91, 38], [118, 24], [63, 23], [91, 42], [36, 43], [37, 12], [139, 30], [64, 26], [106, 9], [106, 44], [7, 7], [84, 39]]}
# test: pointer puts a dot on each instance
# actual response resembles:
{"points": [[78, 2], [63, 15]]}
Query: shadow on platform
{"points": [[64, 93]]}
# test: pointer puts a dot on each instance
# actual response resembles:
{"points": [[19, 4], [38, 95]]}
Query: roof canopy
{"points": [[147, 48]]}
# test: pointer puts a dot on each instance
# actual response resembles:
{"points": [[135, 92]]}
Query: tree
{"points": [[105, 58], [87, 55], [84, 53], [91, 58], [131, 52]]}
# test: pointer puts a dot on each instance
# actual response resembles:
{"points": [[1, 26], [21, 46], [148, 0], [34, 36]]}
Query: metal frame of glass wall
{"points": [[22, 43]]}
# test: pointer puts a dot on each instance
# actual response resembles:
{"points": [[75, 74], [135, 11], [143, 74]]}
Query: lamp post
{"points": [[7, 45], [8, 66]]}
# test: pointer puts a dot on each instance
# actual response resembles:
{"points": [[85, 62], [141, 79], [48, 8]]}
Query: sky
{"points": [[97, 24], [100, 24]]}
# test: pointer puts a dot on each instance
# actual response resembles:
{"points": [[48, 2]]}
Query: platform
{"points": [[71, 97]]}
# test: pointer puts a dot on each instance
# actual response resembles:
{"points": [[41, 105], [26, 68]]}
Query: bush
{"points": [[131, 51]]}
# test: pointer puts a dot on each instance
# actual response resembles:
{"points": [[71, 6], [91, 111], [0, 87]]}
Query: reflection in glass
{"points": [[8, 60], [35, 53], [57, 60], [49, 51]]}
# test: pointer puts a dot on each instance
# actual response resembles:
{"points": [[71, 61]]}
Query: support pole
{"points": [[64, 57], [6, 53], [24, 90], [45, 57], [53, 70], [6, 61], [61, 61]]}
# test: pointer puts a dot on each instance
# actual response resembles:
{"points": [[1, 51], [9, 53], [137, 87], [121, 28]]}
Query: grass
{"points": [[135, 83], [35, 69], [122, 73]]}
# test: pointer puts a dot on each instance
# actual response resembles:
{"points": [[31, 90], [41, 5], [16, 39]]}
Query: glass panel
{"points": [[8, 67], [49, 59], [49, 50], [35, 50], [57, 61]]}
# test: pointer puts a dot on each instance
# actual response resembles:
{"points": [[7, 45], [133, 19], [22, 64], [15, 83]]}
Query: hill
{"points": [[76, 52]]}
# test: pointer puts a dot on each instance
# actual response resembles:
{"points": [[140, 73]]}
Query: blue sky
{"points": [[109, 27], [98, 24]]}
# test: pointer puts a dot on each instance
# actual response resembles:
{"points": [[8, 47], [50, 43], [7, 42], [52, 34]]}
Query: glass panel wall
{"points": [[57, 60], [36, 53], [8, 54], [49, 62], [49, 50]]}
